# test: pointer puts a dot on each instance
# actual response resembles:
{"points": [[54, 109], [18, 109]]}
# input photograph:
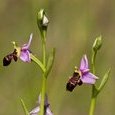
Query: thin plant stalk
{"points": [[94, 96], [93, 61], [24, 107], [44, 78], [92, 105]]}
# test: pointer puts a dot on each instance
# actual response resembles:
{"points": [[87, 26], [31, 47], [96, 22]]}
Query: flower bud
{"points": [[42, 21], [97, 43]]}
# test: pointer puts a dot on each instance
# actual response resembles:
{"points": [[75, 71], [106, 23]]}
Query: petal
{"points": [[89, 78], [45, 21], [35, 111], [30, 40], [48, 111], [25, 56], [26, 46], [84, 63]]}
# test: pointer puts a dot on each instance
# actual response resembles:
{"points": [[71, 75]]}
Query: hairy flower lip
{"points": [[8, 58]]}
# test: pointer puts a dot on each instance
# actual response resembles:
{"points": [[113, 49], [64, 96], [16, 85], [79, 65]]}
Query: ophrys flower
{"points": [[81, 75]]}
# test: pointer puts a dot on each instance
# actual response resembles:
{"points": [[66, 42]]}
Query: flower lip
{"points": [[7, 59]]}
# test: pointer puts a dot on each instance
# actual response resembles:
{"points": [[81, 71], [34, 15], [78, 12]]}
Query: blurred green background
{"points": [[73, 27]]}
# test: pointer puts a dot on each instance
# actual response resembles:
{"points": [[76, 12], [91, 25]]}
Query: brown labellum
{"points": [[7, 59], [73, 81]]}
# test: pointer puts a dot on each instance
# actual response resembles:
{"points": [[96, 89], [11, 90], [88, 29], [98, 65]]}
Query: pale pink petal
{"points": [[84, 71], [84, 63], [26, 46], [48, 111], [25, 56], [30, 39], [89, 78], [35, 111]]}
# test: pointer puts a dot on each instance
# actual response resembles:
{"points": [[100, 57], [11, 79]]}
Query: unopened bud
{"points": [[97, 43], [42, 20]]}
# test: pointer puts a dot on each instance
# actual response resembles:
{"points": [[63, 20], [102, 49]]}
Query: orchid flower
{"points": [[19, 52], [81, 75], [47, 110]]}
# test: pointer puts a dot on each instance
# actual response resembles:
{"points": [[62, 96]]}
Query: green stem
{"points": [[44, 52], [94, 90], [24, 107], [93, 100], [92, 105], [43, 90], [93, 61]]}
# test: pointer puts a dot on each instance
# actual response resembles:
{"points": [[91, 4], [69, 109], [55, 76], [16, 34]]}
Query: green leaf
{"points": [[24, 107], [38, 62], [104, 81], [50, 61]]}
